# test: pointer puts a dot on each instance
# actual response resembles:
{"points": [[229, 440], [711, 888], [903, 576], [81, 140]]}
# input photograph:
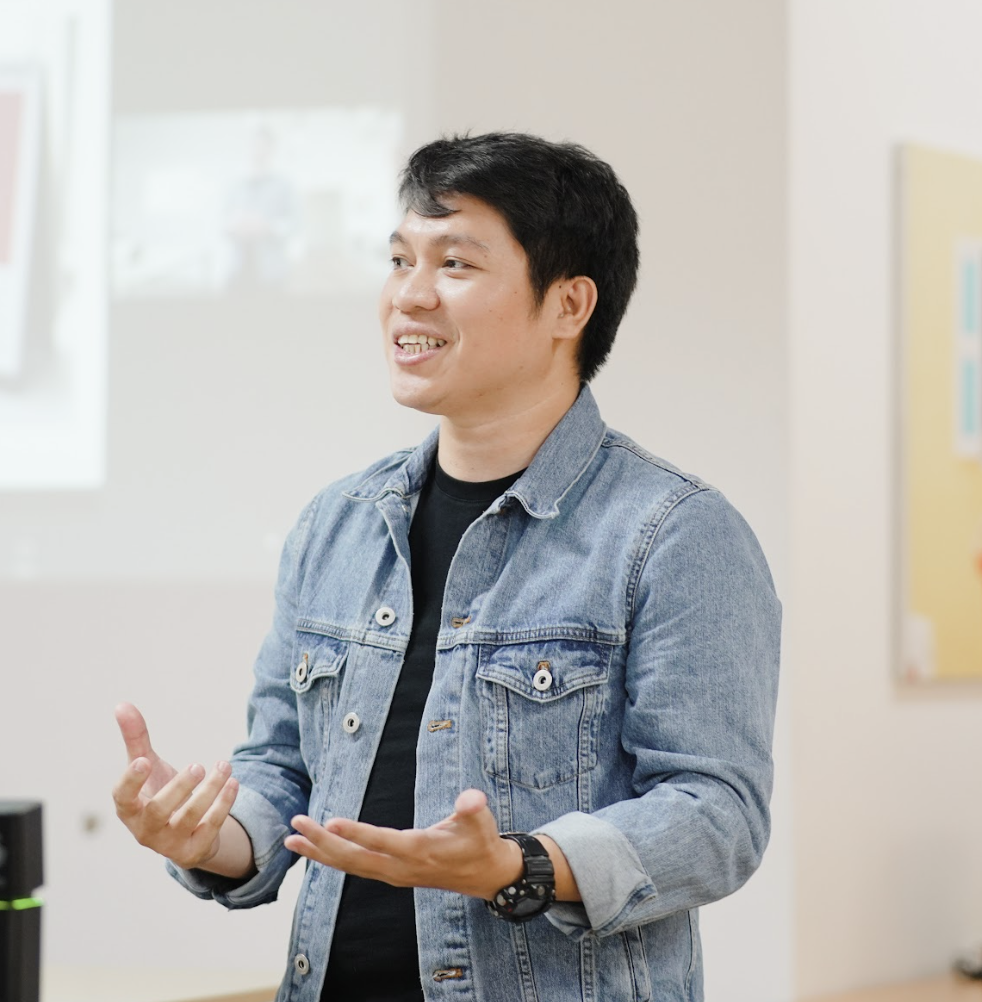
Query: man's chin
{"points": [[415, 398]]}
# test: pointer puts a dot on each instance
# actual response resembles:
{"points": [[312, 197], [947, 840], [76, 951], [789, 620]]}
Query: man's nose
{"points": [[415, 290]]}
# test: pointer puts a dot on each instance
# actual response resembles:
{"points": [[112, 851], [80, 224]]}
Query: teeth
{"points": [[415, 343]]}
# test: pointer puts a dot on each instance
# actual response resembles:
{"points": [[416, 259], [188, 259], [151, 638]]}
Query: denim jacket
{"points": [[606, 672]]}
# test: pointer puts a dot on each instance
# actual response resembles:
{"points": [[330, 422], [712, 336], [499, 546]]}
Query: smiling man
{"points": [[517, 702]]}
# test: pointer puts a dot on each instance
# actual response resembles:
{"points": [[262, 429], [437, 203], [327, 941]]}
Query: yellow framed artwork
{"points": [[941, 406]]}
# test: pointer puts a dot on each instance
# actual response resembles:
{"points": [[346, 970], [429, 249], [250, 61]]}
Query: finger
{"points": [[134, 730], [215, 816], [322, 846], [126, 793], [470, 807], [203, 797], [174, 794], [332, 843], [316, 842], [470, 802], [390, 841]]}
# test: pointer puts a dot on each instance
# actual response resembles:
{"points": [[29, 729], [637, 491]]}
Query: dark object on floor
{"points": [[970, 966]]}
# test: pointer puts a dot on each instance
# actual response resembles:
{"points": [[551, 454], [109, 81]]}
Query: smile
{"points": [[413, 344]]}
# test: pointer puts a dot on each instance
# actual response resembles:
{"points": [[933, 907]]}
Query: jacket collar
{"points": [[560, 462]]}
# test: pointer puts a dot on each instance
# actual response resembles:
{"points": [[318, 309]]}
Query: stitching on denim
{"points": [[654, 525], [623, 442], [531, 635], [554, 510]]}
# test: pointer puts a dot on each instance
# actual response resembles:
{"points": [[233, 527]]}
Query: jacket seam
{"points": [[648, 540]]}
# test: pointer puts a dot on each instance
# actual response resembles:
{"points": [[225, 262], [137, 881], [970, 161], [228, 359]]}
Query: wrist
{"points": [[534, 892], [509, 867]]}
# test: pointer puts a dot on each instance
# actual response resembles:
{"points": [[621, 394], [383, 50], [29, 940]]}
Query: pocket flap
{"points": [[316, 657], [546, 670]]}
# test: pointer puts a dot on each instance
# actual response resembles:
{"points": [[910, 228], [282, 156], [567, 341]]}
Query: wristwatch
{"points": [[535, 891]]}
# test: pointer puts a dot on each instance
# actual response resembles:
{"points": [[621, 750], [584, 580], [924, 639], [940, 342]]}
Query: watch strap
{"points": [[535, 891]]}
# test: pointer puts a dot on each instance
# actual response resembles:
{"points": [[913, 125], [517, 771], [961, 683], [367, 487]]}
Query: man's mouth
{"points": [[413, 344]]}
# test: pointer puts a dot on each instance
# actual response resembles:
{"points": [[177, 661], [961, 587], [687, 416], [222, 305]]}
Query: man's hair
{"points": [[565, 206]]}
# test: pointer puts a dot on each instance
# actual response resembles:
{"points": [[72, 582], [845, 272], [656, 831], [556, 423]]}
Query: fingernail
{"points": [[197, 771], [223, 767]]}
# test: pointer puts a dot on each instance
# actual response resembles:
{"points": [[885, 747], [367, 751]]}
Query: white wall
{"points": [[158, 589], [888, 820], [687, 101]]}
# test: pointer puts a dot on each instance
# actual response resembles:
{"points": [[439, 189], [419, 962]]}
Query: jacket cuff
{"points": [[266, 831], [614, 885]]}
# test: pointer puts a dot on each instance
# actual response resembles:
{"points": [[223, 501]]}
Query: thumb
{"points": [[134, 730], [470, 802]]}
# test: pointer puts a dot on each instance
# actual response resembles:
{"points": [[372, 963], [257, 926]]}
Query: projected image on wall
{"points": [[237, 203], [54, 112]]}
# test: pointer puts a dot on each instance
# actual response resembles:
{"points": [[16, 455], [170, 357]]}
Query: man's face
{"points": [[463, 336]]}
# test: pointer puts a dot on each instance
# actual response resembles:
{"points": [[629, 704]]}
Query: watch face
{"points": [[537, 902]]}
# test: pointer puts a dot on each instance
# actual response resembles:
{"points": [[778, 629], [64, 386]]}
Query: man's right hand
{"points": [[182, 815]]}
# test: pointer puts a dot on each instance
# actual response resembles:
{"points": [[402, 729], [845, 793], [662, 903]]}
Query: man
{"points": [[526, 625]]}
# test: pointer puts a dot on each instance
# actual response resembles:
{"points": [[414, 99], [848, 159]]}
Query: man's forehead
{"points": [[470, 221], [438, 237]]}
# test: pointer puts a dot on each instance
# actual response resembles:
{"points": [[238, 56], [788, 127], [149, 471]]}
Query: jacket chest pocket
{"points": [[541, 704], [315, 681]]}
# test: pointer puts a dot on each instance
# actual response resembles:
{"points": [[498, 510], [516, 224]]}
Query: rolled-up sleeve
{"points": [[701, 689]]}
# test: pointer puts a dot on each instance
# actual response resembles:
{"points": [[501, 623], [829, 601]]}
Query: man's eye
{"points": [[454, 265], [398, 262]]}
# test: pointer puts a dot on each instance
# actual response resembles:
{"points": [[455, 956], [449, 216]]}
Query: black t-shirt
{"points": [[373, 954]]}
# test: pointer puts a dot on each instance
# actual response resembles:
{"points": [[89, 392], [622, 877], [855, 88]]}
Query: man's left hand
{"points": [[462, 853]]}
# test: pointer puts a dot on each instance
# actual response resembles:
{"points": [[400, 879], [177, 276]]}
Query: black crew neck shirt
{"points": [[373, 953]]}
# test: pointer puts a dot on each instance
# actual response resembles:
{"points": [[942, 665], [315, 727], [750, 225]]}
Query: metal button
{"points": [[351, 723], [448, 974], [385, 616], [301, 963], [542, 679], [302, 669]]}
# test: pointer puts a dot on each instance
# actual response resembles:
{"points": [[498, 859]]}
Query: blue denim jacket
{"points": [[644, 751]]}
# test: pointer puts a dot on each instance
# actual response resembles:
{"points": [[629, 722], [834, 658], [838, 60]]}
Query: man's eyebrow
{"points": [[445, 239]]}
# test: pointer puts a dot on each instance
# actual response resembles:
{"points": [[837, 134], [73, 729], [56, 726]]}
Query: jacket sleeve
{"points": [[701, 689], [274, 785]]}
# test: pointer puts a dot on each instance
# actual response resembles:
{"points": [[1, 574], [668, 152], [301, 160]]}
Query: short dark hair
{"points": [[564, 205]]}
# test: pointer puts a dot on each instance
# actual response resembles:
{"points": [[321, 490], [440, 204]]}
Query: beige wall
{"points": [[887, 812], [688, 101]]}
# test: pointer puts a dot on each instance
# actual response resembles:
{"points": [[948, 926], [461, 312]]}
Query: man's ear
{"points": [[576, 299]]}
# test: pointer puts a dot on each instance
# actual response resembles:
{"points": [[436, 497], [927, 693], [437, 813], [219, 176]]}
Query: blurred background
{"points": [[195, 198]]}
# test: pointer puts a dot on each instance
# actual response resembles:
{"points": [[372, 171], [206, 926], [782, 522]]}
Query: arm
{"points": [[267, 766], [701, 685]]}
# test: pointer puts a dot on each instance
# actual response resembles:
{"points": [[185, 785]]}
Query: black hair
{"points": [[564, 205]]}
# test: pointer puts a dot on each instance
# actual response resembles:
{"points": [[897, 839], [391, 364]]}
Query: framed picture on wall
{"points": [[20, 150], [941, 410]]}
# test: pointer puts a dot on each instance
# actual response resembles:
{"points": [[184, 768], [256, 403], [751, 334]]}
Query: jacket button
{"points": [[448, 974], [385, 616], [351, 723], [542, 679], [301, 671], [301, 963]]}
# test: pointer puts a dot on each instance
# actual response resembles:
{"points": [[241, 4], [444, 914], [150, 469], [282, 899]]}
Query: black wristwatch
{"points": [[535, 891]]}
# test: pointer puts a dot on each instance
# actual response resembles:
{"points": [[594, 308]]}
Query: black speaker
{"points": [[21, 874]]}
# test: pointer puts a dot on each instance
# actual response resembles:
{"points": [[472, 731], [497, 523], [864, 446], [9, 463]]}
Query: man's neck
{"points": [[493, 446]]}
